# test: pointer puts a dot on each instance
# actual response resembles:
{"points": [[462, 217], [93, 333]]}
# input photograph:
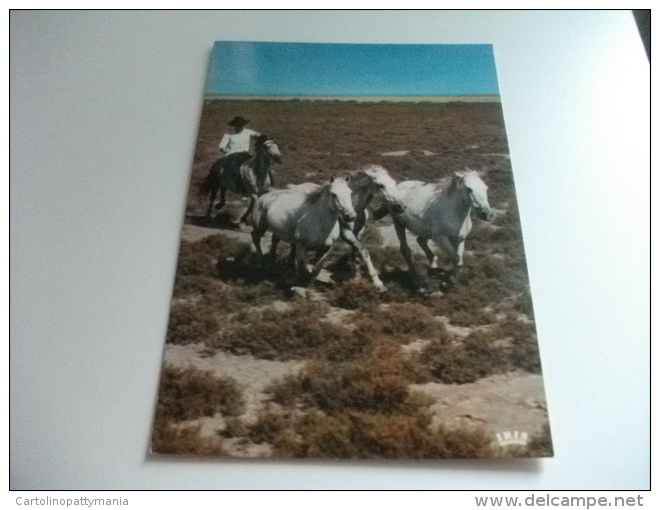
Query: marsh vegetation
{"points": [[345, 371]]}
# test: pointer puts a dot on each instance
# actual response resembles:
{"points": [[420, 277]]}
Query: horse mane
{"points": [[364, 171], [454, 183], [359, 178], [315, 195], [367, 169], [259, 140], [457, 178], [256, 161]]}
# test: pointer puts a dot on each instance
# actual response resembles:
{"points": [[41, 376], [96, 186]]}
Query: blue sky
{"points": [[291, 69]]}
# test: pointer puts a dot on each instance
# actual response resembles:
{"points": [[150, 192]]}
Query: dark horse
{"points": [[252, 178]]}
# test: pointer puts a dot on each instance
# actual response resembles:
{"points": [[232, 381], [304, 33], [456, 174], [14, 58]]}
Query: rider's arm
{"points": [[224, 143]]}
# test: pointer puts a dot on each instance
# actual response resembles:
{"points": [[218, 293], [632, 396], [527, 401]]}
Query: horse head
{"points": [[385, 187], [268, 147], [477, 192], [340, 194]]}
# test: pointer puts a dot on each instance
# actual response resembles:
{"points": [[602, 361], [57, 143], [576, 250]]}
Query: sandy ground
{"points": [[506, 402], [499, 403]]}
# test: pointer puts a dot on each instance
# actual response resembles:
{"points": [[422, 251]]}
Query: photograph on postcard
{"points": [[351, 280]]}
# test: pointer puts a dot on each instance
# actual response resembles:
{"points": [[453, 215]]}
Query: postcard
{"points": [[351, 280]]}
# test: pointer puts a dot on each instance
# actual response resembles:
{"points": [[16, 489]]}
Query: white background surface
{"points": [[104, 112]]}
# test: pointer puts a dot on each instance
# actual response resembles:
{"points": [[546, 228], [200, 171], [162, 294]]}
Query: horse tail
{"points": [[210, 182]]}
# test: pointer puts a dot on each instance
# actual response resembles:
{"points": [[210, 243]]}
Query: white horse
{"points": [[366, 183], [250, 178], [308, 221], [440, 213]]}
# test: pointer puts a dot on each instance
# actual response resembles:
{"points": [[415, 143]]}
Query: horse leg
{"points": [[321, 255], [433, 258], [405, 251], [348, 236], [291, 258], [209, 209], [453, 250], [301, 268], [259, 229], [246, 215], [460, 247], [357, 228], [221, 204], [273, 246], [257, 234], [360, 221]]}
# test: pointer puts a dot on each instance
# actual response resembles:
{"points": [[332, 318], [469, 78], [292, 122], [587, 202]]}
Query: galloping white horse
{"points": [[309, 221], [251, 179], [441, 214], [366, 183]]}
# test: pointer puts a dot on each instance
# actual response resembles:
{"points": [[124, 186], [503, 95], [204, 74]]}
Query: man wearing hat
{"points": [[236, 144]]}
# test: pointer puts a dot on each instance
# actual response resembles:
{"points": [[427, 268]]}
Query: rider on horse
{"points": [[236, 146]]}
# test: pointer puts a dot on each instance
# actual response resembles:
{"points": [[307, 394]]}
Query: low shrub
{"points": [[193, 285], [234, 427], [269, 427], [190, 323], [189, 393], [355, 295], [524, 343], [523, 304], [293, 334], [474, 357], [220, 245], [368, 436], [187, 441], [508, 345], [405, 321], [227, 298], [486, 283], [198, 317], [475, 317], [200, 257], [377, 382], [193, 262]]}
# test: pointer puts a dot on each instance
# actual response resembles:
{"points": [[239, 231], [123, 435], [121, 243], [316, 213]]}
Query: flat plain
{"points": [[253, 368]]}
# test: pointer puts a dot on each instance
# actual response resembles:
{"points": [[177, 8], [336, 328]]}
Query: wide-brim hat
{"points": [[238, 122]]}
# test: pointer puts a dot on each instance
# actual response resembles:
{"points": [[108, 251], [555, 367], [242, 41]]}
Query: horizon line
{"points": [[486, 98]]}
